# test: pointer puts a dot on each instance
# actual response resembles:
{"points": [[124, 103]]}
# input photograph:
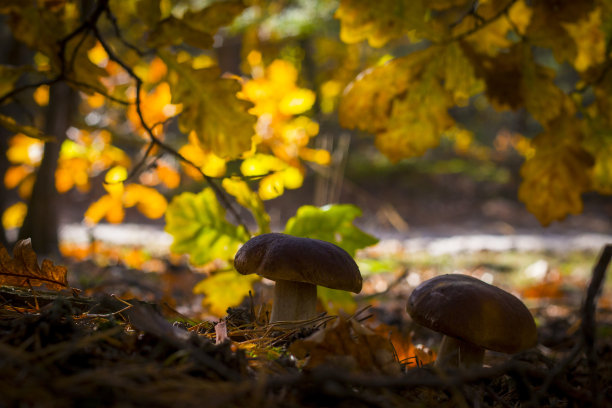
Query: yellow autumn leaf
{"points": [[146, 199], [590, 40], [155, 106], [14, 215], [208, 162], [271, 186], [558, 174], [261, 164], [380, 21], [107, 207], [248, 199], [14, 175], [168, 175], [116, 175], [25, 150], [41, 95], [547, 26], [296, 102], [212, 110], [223, 290]]}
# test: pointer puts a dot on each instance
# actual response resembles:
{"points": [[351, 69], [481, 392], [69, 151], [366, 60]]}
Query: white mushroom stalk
{"points": [[293, 301]]}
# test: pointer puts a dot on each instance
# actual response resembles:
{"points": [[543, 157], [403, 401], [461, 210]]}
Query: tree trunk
{"points": [[11, 53], [42, 220]]}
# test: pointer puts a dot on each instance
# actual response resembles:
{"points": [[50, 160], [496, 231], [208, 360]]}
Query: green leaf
{"points": [[332, 223], [197, 224], [9, 124], [334, 300], [224, 289], [211, 109]]}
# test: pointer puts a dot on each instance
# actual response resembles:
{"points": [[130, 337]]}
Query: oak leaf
{"points": [[210, 108], [348, 345], [558, 174], [23, 269]]}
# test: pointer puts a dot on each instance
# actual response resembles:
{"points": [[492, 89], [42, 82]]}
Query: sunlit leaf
{"points": [[41, 95], [146, 199], [14, 215], [296, 102], [590, 40], [155, 107], [197, 224], [546, 28], [14, 175], [332, 223], [557, 175], [223, 290], [211, 109], [12, 126], [107, 207], [248, 199], [208, 162], [195, 28], [403, 102], [168, 175], [380, 21], [116, 175]]}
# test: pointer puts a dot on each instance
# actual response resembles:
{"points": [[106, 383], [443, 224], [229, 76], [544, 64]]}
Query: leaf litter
{"points": [[58, 348]]}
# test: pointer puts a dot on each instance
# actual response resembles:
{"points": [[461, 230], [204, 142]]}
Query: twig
{"points": [[113, 20], [480, 26], [588, 319]]}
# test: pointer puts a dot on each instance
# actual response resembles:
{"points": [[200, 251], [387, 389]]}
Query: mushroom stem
{"points": [[455, 352], [293, 301]]}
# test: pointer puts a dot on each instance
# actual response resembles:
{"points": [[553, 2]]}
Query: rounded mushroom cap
{"points": [[469, 309], [284, 257]]}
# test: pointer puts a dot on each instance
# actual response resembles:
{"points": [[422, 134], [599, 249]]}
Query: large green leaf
{"points": [[332, 223], [197, 224]]}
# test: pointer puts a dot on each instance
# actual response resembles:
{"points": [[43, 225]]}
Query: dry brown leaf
{"points": [[23, 270], [349, 345]]}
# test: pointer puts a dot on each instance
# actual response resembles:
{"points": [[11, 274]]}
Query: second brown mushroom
{"points": [[473, 316]]}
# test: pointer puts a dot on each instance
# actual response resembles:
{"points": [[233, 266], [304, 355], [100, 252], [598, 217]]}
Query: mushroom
{"points": [[473, 316], [297, 265]]}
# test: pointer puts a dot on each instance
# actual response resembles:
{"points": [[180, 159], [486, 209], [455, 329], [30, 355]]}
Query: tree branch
{"points": [[155, 140]]}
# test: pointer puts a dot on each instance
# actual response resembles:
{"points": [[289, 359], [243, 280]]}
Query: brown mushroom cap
{"points": [[284, 257], [469, 309]]}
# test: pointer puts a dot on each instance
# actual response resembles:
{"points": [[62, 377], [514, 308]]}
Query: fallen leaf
{"points": [[348, 345], [23, 269]]}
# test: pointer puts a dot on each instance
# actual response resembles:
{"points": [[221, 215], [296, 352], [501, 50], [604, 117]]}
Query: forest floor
{"points": [[134, 333]]}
